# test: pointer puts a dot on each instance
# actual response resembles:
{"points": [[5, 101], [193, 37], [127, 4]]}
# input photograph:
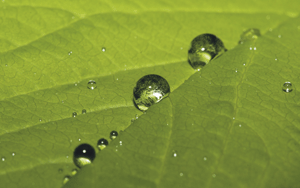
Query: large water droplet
{"points": [[84, 154], [203, 49], [113, 134], [287, 87], [102, 143], [150, 89], [66, 179], [92, 85], [250, 34]]}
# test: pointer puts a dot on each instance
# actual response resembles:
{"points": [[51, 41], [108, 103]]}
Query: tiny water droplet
{"points": [[75, 84], [6, 65], [276, 59], [254, 48], [174, 153], [136, 116], [79, 139], [248, 35], [92, 85], [84, 154], [204, 48], [113, 134], [67, 156], [279, 36], [13, 154], [3, 159], [204, 158], [71, 140], [287, 87], [240, 125], [74, 171], [70, 52], [66, 179], [83, 111], [149, 90], [244, 64], [102, 143], [233, 118], [236, 70], [214, 175], [121, 143], [103, 49], [181, 174], [40, 120], [250, 48], [74, 114]]}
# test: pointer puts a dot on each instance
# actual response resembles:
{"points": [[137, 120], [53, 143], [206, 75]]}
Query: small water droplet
{"points": [[66, 179], [103, 49], [84, 154], [203, 49], [149, 90], [6, 65], [60, 170], [102, 143], [62, 102], [287, 87], [74, 114], [70, 52], [92, 85], [279, 36], [79, 139], [74, 171], [136, 116], [174, 153], [204, 158], [13, 154], [3, 159], [276, 59], [71, 141], [67, 156], [113, 134], [75, 84], [248, 35], [214, 175], [254, 48], [233, 118], [181, 174], [236, 70], [83, 111], [250, 48], [40, 120], [240, 125], [244, 64], [121, 143]]}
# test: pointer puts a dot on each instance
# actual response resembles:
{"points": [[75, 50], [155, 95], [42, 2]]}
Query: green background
{"points": [[230, 124]]}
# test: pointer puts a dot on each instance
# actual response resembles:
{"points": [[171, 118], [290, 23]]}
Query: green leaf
{"points": [[51, 49]]}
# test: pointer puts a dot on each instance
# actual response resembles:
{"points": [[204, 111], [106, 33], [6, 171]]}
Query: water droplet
{"points": [[74, 171], [75, 84], [233, 118], [3, 159], [287, 87], [244, 64], [84, 111], [113, 134], [203, 49], [84, 154], [67, 156], [214, 175], [60, 170], [92, 85], [40, 120], [6, 65], [279, 36], [66, 179], [240, 125], [250, 48], [70, 52], [103, 49], [102, 143], [250, 34], [136, 116], [13, 154], [276, 59], [254, 48], [236, 70], [150, 89], [121, 143], [79, 139], [181, 174], [74, 114], [174, 153], [204, 158]]}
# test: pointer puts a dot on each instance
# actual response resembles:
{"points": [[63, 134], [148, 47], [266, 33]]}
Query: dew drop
{"points": [[181, 174], [254, 48], [66, 179], [287, 87], [70, 52], [84, 111], [174, 153], [74, 114], [121, 143], [3, 159], [203, 49], [103, 49], [214, 175], [75, 84], [79, 139], [84, 154], [248, 35], [40, 120], [113, 135], [74, 171], [92, 85], [276, 59], [150, 89], [240, 125], [13, 154], [204, 158], [279, 36], [102, 143]]}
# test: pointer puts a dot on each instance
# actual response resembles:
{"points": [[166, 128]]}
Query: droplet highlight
{"points": [[174, 153], [103, 49], [203, 49], [113, 135], [287, 87], [250, 34], [84, 154], [92, 85], [149, 90], [102, 143]]}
